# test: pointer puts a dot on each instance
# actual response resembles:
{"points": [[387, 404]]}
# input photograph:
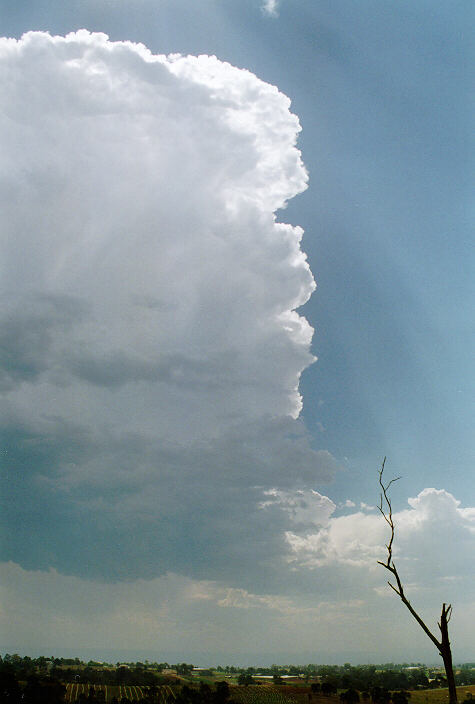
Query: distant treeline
{"points": [[389, 676], [67, 670], [325, 678], [314, 670]]}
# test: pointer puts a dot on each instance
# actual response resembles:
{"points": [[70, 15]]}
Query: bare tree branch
{"points": [[443, 646]]}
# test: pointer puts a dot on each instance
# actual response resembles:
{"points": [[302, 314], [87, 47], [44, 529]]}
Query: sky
{"points": [[235, 274]]}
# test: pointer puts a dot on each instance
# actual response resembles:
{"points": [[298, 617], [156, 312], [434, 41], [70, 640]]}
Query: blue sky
{"points": [[381, 91]]}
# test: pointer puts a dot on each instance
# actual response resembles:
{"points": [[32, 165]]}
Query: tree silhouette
{"points": [[351, 696], [442, 645]]}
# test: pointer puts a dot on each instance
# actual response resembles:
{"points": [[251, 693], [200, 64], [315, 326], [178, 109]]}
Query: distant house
{"points": [[282, 677]]}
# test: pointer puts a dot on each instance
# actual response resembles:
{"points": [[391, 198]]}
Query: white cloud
{"points": [[151, 185], [367, 507], [320, 612], [271, 8], [151, 347], [434, 539], [303, 506], [354, 539]]}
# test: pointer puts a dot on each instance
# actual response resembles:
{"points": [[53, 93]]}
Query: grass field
{"points": [[439, 696]]}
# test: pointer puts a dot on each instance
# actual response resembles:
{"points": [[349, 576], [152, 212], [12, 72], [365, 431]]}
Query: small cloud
{"points": [[242, 599], [302, 506], [451, 578], [270, 7], [367, 507]]}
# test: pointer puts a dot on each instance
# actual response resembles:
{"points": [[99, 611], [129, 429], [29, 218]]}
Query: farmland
{"points": [[262, 694], [106, 693], [269, 694], [440, 696], [57, 681]]}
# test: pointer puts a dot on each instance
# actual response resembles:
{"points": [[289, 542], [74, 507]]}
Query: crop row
{"points": [[107, 692], [260, 695]]}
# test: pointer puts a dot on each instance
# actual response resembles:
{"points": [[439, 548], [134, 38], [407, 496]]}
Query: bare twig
{"points": [[387, 515]]}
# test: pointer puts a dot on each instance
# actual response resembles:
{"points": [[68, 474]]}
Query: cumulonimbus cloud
{"points": [[151, 345]]}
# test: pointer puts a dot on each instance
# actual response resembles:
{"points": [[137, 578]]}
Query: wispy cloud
{"points": [[271, 8]]}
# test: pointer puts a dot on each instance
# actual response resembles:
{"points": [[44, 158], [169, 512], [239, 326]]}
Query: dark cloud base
{"points": [[123, 508]]}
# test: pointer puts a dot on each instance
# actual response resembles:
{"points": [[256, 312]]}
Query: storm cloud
{"points": [[151, 347]]}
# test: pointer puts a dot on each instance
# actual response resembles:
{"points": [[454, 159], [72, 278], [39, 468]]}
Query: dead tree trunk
{"points": [[442, 645], [446, 652]]}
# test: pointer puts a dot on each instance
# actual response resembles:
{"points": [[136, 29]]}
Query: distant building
{"points": [[282, 677]]}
